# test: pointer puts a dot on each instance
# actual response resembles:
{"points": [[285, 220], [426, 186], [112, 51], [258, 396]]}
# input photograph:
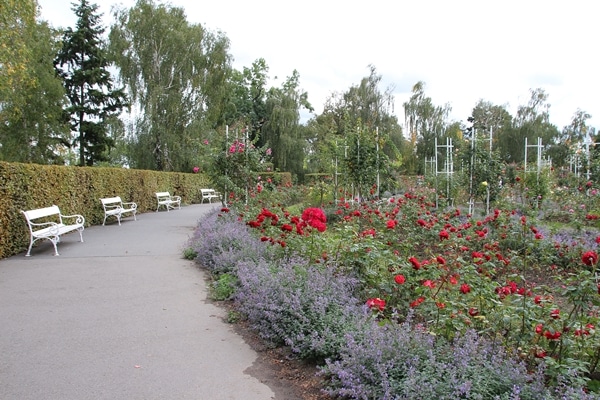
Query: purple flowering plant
{"points": [[519, 287]]}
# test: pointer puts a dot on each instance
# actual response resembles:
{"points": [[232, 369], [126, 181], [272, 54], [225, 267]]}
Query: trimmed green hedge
{"points": [[77, 190]]}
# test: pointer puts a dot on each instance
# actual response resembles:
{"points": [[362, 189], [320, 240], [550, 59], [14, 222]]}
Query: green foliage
{"points": [[83, 65], [534, 188], [236, 166], [364, 161], [452, 275], [359, 119], [189, 253], [34, 129], [77, 191], [321, 189], [177, 76], [425, 122], [482, 172], [246, 101], [233, 317], [17, 20], [224, 286], [282, 131]]}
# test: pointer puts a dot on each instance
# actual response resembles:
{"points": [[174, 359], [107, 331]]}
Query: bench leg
{"points": [[52, 240], [55, 241], [55, 248], [29, 249]]}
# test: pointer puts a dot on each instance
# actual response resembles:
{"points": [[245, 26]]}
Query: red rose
{"points": [[376, 303], [464, 288], [399, 279], [417, 302], [539, 328], [429, 283], [552, 336], [589, 258], [415, 263], [540, 354], [315, 217]]}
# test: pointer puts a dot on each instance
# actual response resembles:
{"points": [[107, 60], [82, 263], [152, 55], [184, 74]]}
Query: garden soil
{"points": [[124, 316]]}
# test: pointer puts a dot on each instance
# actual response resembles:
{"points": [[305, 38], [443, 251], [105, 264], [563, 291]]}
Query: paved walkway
{"points": [[120, 316]]}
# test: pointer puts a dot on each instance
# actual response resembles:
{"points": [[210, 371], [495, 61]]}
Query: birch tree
{"points": [[176, 75]]}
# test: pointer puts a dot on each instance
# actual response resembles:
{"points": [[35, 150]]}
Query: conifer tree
{"points": [[83, 65]]}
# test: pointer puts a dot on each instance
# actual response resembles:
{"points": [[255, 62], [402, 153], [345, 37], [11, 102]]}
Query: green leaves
{"points": [[83, 65], [176, 74]]}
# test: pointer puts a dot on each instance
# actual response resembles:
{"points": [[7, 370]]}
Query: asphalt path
{"points": [[120, 316]]}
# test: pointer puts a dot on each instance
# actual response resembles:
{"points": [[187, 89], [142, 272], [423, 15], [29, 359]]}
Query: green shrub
{"points": [[224, 287]]}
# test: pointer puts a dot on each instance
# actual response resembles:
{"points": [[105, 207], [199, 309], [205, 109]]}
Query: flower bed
{"points": [[390, 298]]}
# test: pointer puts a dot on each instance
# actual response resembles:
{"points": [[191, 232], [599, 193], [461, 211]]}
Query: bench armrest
{"points": [[52, 227], [176, 198], [79, 219], [130, 204]]}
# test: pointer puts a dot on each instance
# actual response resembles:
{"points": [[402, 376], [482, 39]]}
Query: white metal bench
{"points": [[115, 207], [51, 226], [169, 202], [209, 194]]}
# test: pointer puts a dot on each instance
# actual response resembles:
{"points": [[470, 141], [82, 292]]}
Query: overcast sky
{"points": [[463, 50]]}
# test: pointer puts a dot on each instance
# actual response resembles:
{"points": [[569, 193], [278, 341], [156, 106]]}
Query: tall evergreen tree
{"points": [[83, 65]]}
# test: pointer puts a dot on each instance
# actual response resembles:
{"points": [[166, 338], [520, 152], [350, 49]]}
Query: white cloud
{"points": [[464, 50]]}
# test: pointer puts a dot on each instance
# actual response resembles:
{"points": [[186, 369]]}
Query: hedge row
{"points": [[77, 190]]}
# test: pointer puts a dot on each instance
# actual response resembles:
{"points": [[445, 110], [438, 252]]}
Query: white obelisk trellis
{"points": [[447, 169]]}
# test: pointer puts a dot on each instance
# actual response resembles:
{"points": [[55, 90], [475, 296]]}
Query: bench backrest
{"points": [[41, 212], [163, 195], [111, 200], [207, 191]]}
